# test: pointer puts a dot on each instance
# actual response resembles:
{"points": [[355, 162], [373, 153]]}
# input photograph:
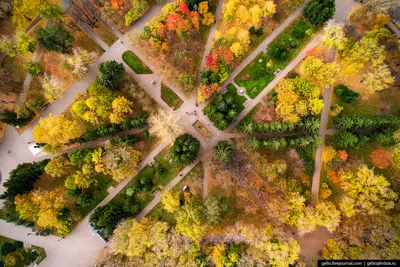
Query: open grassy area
{"points": [[135, 63], [260, 72], [105, 33], [162, 172], [169, 97], [233, 90], [194, 180]]}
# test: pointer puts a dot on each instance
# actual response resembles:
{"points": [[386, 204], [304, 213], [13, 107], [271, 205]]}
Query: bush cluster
{"points": [[347, 95]]}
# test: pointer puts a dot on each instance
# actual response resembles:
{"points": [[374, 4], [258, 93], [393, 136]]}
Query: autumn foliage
{"points": [[380, 158]]}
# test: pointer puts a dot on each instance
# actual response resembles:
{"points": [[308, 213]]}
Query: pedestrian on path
{"points": [[121, 42]]}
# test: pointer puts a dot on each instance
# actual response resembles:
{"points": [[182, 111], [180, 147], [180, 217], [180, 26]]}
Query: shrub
{"points": [[12, 118], [34, 68], [18, 245], [347, 95], [85, 199], [185, 149]]}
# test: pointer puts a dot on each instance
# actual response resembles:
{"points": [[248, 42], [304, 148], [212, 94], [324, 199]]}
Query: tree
{"points": [[14, 259], [120, 107], [365, 192], [165, 125], [56, 130], [224, 151], [51, 12], [55, 38], [7, 248], [380, 158], [12, 118], [79, 62], [26, 207], [25, 11], [110, 74], [107, 217], [80, 179], [22, 43], [51, 86], [85, 200], [170, 201], [22, 178], [5, 9], [379, 79], [185, 149], [189, 220], [334, 35], [328, 154], [83, 12], [120, 161], [138, 7], [322, 73], [317, 12], [346, 140], [58, 166], [212, 211]]}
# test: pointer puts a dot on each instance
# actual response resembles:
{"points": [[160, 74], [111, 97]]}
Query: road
{"points": [[80, 247]]}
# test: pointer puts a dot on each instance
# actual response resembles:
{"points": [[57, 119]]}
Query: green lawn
{"points": [[169, 96], [194, 179], [135, 63], [233, 90], [256, 76], [162, 172]]}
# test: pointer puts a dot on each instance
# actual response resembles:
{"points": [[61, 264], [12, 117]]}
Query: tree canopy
{"points": [[185, 149]]}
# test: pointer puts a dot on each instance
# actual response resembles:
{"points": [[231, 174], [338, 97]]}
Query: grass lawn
{"points": [[256, 76], [169, 97], [194, 179], [233, 90], [135, 63], [162, 172], [104, 33], [239, 98]]}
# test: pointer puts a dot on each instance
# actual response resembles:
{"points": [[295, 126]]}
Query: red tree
{"points": [[184, 8], [380, 158]]}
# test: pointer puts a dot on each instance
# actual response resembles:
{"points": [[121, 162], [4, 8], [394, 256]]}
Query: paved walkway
{"points": [[80, 247], [322, 132]]}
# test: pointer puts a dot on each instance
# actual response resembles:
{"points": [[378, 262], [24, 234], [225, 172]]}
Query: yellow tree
{"points": [[25, 206], [379, 79], [365, 192], [323, 73], [120, 161], [50, 203], [58, 166], [170, 201], [120, 107], [56, 130], [334, 35]]}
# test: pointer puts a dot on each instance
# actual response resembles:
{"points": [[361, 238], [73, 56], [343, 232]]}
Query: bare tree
{"points": [[166, 125], [83, 12]]}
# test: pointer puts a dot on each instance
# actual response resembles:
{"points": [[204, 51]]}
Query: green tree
{"points": [[317, 12], [55, 38], [51, 12], [12, 118], [22, 178], [224, 151], [185, 149], [110, 74], [34, 68]]}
